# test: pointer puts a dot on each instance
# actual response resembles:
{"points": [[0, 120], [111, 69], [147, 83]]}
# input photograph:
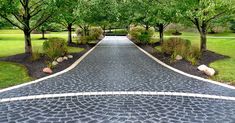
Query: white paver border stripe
{"points": [[46, 96]]}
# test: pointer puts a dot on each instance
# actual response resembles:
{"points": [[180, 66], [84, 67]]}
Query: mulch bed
{"points": [[183, 65], [35, 67]]}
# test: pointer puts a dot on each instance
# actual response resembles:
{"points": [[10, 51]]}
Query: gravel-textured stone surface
{"points": [[117, 65], [119, 109]]}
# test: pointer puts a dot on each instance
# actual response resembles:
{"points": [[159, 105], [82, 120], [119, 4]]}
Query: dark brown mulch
{"points": [[35, 67], [207, 58]]}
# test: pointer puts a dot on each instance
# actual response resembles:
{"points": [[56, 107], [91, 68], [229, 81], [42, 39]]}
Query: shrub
{"points": [[35, 56], [140, 35], [178, 46], [83, 39], [193, 55], [55, 47], [96, 33]]}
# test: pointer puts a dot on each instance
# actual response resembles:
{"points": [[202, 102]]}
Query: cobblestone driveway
{"points": [[117, 65]]}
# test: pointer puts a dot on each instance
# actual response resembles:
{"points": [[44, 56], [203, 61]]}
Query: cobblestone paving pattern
{"points": [[117, 65], [119, 109]]}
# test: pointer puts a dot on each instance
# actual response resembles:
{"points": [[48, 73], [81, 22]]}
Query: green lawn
{"points": [[12, 74], [218, 44], [12, 43]]}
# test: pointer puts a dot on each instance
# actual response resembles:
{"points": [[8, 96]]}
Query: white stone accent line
{"points": [[183, 73], [117, 93], [53, 75]]}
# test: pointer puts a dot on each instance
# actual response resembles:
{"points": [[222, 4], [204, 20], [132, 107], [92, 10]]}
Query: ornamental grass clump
{"points": [[182, 47], [55, 47]]}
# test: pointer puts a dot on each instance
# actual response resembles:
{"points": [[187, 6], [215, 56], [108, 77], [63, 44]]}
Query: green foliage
{"points": [[140, 35], [193, 55], [55, 47], [232, 27], [176, 45], [96, 33], [35, 56], [85, 39], [182, 47]]}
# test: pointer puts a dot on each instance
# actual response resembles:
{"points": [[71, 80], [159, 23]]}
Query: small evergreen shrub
{"points": [[55, 47]]}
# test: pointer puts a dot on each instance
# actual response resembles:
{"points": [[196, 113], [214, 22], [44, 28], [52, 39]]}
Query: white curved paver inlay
{"points": [[33, 97]]}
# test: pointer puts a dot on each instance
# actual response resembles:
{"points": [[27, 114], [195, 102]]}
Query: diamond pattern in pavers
{"points": [[114, 109], [114, 67]]}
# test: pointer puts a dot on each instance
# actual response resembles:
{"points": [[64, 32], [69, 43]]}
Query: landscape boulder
{"points": [[70, 56], [202, 68], [47, 70], [54, 63], [65, 58], [178, 57], [60, 59], [209, 72]]}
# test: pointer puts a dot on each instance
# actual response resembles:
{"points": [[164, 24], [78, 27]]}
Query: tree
{"points": [[232, 27], [143, 12], [4, 24], [202, 12], [69, 13], [103, 12], [126, 12], [20, 13], [163, 14]]}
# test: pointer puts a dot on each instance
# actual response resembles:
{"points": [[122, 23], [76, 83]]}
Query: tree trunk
{"points": [[203, 38], [161, 32], [104, 28], [28, 45], [86, 30], [70, 33], [146, 27], [43, 34]]}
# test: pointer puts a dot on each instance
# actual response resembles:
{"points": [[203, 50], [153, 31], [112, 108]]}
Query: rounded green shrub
{"points": [[55, 47], [140, 35], [96, 33]]}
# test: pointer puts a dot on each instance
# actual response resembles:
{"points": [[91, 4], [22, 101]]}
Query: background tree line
{"points": [[30, 15]]}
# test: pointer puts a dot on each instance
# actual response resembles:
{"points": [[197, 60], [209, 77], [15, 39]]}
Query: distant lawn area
{"points": [[12, 42], [222, 43]]}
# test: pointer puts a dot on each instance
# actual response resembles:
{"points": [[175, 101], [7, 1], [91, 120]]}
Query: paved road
{"points": [[117, 65]]}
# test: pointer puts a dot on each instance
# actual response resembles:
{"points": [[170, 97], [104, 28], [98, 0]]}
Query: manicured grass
{"points": [[12, 74], [220, 45], [12, 43]]}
